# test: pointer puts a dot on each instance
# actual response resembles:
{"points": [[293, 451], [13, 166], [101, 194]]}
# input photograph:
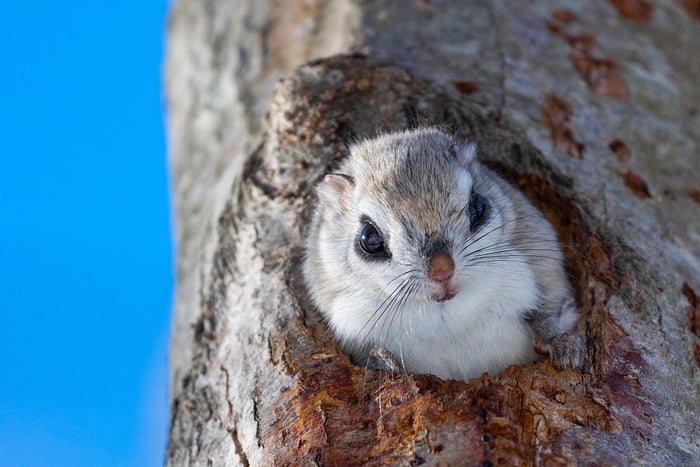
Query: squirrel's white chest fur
{"points": [[481, 329]]}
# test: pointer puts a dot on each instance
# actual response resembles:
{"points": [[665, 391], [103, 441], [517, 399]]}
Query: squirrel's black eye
{"points": [[477, 210], [371, 240]]}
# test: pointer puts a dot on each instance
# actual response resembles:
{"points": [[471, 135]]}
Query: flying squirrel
{"points": [[421, 258]]}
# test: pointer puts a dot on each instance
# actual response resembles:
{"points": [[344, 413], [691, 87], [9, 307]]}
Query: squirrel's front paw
{"points": [[566, 351], [381, 359]]}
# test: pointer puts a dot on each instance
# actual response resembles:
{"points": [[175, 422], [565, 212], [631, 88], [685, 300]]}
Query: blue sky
{"points": [[85, 247]]}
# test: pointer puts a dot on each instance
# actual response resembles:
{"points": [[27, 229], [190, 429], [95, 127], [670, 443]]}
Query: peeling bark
{"points": [[256, 378]]}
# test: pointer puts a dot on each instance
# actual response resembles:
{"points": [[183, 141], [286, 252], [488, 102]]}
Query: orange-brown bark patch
{"points": [[637, 10], [693, 309], [692, 7], [466, 87], [563, 15], [601, 75], [584, 41], [621, 150], [694, 195], [555, 115], [635, 183]]}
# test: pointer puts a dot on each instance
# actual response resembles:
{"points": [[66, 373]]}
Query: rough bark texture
{"points": [[590, 108]]}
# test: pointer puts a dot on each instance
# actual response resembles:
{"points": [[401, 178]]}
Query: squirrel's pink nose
{"points": [[441, 267]]}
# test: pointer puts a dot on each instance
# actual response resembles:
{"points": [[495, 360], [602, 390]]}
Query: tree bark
{"points": [[590, 108]]}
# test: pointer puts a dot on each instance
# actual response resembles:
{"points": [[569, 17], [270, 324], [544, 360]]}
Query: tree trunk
{"points": [[591, 108]]}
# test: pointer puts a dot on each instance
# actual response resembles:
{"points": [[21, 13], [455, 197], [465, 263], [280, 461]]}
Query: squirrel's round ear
{"points": [[334, 188], [464, 152]]}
